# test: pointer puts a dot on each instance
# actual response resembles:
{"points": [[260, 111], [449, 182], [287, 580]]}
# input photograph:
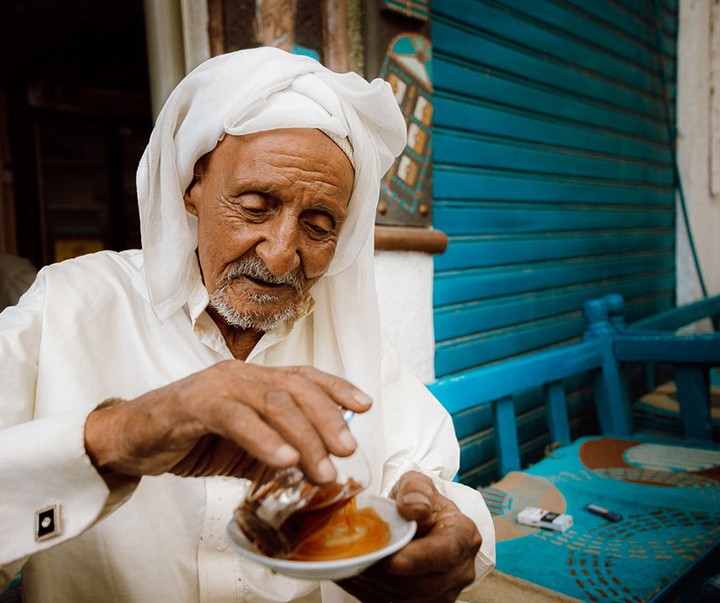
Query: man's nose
{"points": [[279, 247]]}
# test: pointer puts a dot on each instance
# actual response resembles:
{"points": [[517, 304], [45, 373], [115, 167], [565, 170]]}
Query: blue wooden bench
{"points": [[667, 492], [659, 339]]}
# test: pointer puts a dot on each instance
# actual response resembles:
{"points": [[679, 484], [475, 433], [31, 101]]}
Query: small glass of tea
{"points": [[282, 510]]}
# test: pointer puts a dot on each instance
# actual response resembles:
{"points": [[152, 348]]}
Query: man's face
{"points": [[275, 22], [270, 207]]}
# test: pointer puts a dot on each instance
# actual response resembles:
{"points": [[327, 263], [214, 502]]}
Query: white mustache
{"points": [[255, 268]]}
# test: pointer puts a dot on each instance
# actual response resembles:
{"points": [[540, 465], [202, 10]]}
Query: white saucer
{"points": [[401, 532]]}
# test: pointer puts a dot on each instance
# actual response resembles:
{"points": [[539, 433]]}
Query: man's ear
{"points": [[194, 189], [189, 198]]}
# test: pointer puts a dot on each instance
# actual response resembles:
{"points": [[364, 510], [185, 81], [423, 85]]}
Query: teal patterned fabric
{"points": [[668, 496]]}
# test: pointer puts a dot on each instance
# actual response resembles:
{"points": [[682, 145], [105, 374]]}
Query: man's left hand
{"points": [[437, 564]]}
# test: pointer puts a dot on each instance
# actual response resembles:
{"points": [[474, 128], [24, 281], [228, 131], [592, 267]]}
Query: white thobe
{"points": [[86, 332]]}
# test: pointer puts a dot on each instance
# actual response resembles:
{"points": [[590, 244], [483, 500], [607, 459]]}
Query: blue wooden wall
{"points": [[553, 175]]}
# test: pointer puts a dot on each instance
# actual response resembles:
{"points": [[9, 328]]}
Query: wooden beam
{"points": [[409, 238]]}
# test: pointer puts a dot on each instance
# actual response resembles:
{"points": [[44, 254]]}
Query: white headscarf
{"points": [[264, 89]]}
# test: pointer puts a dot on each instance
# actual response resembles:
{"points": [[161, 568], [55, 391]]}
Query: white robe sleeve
{"points": [[49, 489], [420, 436]]}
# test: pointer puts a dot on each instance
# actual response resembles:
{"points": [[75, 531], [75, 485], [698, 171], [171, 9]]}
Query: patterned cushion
{"points": [[668, 495]]}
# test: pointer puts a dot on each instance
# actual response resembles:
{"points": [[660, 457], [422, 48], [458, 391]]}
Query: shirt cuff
{"points": [[51, 490]]}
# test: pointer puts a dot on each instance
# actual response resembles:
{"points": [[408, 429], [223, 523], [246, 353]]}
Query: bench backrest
{"points": [[498, 383], [691, 355], [601, 353]]}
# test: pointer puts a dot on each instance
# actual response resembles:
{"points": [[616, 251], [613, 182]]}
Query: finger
{"points": [[295, 423], [324, 414], [415, 497], [317, 395], [267, 411], [244, 426], [341, 391], [310, 420]]}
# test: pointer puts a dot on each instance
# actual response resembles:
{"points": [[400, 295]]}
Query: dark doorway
{"points": [[77, 117]]}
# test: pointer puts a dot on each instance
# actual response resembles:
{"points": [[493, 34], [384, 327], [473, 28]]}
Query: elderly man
{"points": [[139, 387]]}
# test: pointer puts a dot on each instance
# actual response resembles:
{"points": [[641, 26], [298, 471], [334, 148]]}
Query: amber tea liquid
{"points": [[328, 526]]}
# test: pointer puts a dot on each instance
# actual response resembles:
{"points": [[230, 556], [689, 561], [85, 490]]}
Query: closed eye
{"points": [[319, 223], [255, 205]]}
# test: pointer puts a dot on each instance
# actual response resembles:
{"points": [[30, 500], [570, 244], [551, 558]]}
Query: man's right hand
{"points": [[220, 420]]}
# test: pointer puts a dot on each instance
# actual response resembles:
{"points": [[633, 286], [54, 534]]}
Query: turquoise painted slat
{"points": [[533, 425], [473, 116], [635, 76], [618, 30], [668, 18], [477, 183], [467, 285], [618, 33], [556, 48], [476, 451], [487, 152], [481, 475], [474, 317], [610, 17], [497, 89], [498, 250], [467, 217], [611, 14], [472, 351], [479, 416], [504, 379], [493, 87], [539, 73], [481, 349]]}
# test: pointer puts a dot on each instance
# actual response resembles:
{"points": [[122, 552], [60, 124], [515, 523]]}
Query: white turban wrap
{"points": [[264, 89]]}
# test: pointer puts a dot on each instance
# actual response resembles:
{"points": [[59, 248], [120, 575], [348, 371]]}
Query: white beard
{"points": [[255, 268]]}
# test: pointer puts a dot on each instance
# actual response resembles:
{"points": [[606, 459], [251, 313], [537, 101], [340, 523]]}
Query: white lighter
{"points": [[542, 518]]}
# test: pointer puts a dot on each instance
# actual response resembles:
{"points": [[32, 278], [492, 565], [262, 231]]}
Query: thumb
{"points": [[415, 496]]}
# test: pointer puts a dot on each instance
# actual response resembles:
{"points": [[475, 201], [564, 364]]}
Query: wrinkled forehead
{"points": [[283, 109], [265, 148]]}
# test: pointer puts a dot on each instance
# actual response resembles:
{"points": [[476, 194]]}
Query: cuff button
{"points": [[47, 523]]}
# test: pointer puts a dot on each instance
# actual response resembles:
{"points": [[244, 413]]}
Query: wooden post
{"points": [[216, 27], [335, 36], [611, 396]]}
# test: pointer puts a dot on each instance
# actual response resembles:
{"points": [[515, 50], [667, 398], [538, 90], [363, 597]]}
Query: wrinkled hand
{"points": [[437, 564], [208, 423]]}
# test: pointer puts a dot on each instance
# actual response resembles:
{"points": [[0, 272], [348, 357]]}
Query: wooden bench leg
{"points": [[506, 435], [693, 392]]}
